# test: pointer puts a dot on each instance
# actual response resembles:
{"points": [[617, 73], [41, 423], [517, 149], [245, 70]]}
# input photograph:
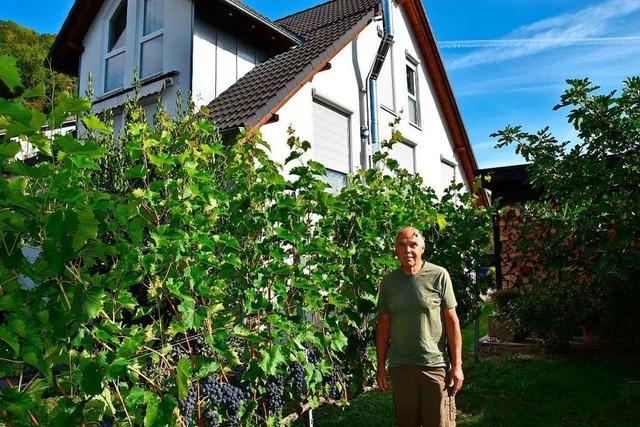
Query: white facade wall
{"points": [[339, 86], [209, 60], [176, 53]]}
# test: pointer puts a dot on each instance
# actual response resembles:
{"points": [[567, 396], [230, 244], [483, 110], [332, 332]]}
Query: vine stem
{"points": [[64, 294], [162, 356], [123, 405], [154, 385]]}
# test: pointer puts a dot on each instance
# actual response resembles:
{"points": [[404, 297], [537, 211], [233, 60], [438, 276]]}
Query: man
{"points": [[414, 302]]}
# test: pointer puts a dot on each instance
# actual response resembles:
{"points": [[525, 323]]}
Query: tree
{"points": [[590, 199], [30, 50]]}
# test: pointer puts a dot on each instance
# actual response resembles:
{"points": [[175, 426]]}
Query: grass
{"points": [[520, 391], [468, 333]]}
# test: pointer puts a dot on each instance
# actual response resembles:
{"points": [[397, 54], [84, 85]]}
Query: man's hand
{"points": [[456, 379], [382, 379]]}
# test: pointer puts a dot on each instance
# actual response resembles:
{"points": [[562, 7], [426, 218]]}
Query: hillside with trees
{"points": [[30, 50]]}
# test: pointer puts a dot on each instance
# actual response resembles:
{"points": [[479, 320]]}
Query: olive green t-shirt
{"points": [[415, 304]]}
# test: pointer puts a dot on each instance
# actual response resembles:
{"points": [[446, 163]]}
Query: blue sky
{"points": [[507, 59]]}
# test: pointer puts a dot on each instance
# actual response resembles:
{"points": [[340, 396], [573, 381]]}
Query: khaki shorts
{"points": [[422, 397]]}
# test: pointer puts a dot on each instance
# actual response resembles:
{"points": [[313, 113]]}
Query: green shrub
{"points": [[590, 198]]}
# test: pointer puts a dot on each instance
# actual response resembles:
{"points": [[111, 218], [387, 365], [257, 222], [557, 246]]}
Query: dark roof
{"points": [[324, 29], [509, 184], [67, 47]]}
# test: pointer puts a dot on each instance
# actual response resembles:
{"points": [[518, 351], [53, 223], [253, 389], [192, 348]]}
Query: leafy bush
{"points": [[590, 199], [192, 286]]}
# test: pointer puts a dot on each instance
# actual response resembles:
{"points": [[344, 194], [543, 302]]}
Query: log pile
{"points": [[518, 264]]}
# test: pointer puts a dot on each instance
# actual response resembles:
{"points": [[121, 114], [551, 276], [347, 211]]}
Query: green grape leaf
{"points": [[8, 150], [87, 228], [272, 360], [9, 337], [92, 375], [135, 172], [184, 373], [94, 123], [9, 72]]}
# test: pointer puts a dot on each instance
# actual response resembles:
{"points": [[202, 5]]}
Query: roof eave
{"points": [[272, 25]]}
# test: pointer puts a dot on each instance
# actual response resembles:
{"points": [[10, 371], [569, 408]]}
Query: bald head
{"points": [[410, 246], [410, 232]]}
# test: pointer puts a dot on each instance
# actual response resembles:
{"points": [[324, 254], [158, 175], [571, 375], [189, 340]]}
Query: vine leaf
{"points": [[9, 72], [92, 376], [87, 228], [184, 372], [9, 150], [272, 360], [10, 338], [94, 123]]}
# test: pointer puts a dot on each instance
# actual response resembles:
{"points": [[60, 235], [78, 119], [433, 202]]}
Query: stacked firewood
{"points": [[518, 264]]}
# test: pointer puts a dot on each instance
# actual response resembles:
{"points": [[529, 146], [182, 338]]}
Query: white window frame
{"points": [[414, 65], [142, 38], [413, 146], [115, 52]]}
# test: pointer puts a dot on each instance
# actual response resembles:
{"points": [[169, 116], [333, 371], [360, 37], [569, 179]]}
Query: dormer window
{"points": [[152, 38], [116, 40]]}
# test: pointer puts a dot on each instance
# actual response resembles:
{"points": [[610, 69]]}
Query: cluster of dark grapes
{"points": [[274, 396], [313, 355], [330, 381], [107, 422], [159, 373], [298, 379], [198, 346], [188, 406], [224, 397]]}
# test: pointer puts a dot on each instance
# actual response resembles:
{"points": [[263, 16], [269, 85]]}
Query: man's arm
{"points": [[382, 346], [452, 327]]}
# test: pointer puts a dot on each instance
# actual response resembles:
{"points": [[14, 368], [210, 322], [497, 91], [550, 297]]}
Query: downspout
{"points": [[383, 50]]}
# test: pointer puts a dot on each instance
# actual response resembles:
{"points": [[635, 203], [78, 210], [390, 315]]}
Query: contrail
{"points": [[590, 41]]}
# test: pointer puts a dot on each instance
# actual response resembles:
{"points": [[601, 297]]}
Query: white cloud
{"points": [[584, 26], [508, 43]]}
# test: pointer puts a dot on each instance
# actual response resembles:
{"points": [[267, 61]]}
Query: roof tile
{"points": [[321, 27]]}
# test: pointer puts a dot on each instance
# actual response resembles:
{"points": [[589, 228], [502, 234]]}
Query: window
{"points": [[331, 143], [116, 40], [404, 154], [386, 87], [151, 42], [448, 172], [413, 92]]}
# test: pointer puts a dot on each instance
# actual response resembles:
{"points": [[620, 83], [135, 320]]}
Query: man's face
{"points": [[409, 248]]}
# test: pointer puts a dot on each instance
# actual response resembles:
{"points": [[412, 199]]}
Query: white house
{"points": [[315, 70]]}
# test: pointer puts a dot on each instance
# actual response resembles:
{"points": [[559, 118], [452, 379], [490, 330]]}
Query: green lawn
{"points": [[523, 391], [519, 391], [468, 333]]}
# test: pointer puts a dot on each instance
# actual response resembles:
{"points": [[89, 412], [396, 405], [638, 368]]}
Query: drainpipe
{"points": [[383, 50]]}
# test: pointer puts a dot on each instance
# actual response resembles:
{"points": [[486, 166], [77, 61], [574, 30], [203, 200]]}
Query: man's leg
{"points": [[436, 406], [404, 381]]}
